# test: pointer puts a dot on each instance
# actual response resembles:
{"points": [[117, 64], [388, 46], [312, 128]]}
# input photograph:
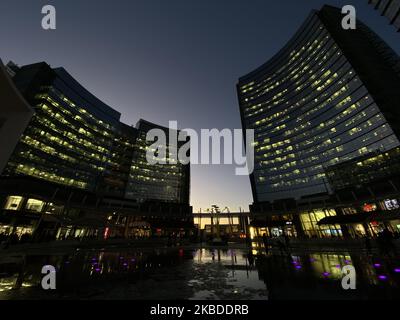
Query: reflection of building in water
{"points": [[329, 265], [326, 100], [319, 276]]}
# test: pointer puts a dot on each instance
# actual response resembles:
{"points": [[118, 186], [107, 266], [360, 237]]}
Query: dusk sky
{"points": [[168, 60]]}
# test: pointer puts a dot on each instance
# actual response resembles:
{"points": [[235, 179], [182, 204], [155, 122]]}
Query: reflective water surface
{"points": [[181, 273]]}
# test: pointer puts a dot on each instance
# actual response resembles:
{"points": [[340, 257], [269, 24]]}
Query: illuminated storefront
{"points": [[311, 228], [276, 226]]}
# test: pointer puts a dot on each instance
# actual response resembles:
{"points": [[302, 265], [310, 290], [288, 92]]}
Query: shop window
{"points": [[310, 224], [13, 203], [391, 204], [34, 205]]}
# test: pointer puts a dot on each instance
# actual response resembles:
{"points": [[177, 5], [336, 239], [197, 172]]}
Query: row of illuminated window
{"points": [[156, 168], [49, 176], [81, 110], [45, 144], [312, 101], [324, 125], [154, 175], [72, 141], [331, 137], [311, 104], [78, 129], [80, 115], [34, 157], [302, 74], [17, 203], [334, 152], [73, 132], [87, 143], [291, 183], [140, 163], [69, 140], [314, 29], [84, 117], [145, 150], [319, 134], [275, 85], [340, 66], [268, 176], [384, 139]]}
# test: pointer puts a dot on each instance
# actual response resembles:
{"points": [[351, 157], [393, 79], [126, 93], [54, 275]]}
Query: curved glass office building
{"points": [[73, 137], [327, 97], [77, 165]]}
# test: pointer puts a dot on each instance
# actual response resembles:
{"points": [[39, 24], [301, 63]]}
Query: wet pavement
{"points": [[206, 274]]}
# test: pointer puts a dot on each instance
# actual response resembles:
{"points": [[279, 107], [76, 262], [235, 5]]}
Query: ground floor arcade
{"points": [[366, 219]]}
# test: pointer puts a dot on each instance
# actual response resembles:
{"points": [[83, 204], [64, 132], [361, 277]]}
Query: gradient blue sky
{"points": [[164, 60]]}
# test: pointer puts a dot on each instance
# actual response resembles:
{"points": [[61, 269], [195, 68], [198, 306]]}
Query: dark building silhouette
{"points": [[76, 162], [390, 9], [329, 96], [15, 113]]}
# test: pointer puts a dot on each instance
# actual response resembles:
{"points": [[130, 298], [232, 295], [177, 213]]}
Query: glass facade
{"points": [[13, 203], [366, 170], [168, 183], [75, 140], [310, 226], [310, 109]]}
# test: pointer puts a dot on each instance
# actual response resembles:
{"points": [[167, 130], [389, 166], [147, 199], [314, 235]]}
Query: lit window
{"points": [[34, 205], [369, 207], [13, 203]]}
